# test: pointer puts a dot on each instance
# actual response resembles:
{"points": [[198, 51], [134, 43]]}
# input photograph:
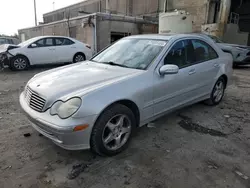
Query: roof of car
{"points": [[165, 36]]}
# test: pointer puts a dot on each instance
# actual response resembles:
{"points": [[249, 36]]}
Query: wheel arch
{"points": [[128, 103], [81, 53], [22, 55], [225, 78]]}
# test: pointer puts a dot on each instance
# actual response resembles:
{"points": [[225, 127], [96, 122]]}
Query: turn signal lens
{"points": [[80, 127]]}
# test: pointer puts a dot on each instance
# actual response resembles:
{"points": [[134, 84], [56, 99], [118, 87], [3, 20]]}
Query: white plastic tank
{"points": [[178, 21]]}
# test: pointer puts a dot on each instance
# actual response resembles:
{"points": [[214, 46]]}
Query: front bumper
{"points": [[58, 130], [4, 59]]}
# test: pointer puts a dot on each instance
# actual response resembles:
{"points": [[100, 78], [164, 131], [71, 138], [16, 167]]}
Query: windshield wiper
{"points": [[114, 64]]}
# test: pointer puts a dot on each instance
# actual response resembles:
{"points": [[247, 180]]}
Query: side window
{"points": [[176, 55], [10, 41], [40, 43], [63, 41], [68, 42], [59, 41], [49, 42], [181, 54], [203, 51]]}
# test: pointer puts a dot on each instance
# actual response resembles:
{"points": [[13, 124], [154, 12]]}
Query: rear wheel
{"points": [[19, 63], [79, 57], [218, 92], [112, 131]]}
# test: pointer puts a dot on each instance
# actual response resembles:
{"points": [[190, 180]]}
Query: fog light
{"points": [[80, 127]]}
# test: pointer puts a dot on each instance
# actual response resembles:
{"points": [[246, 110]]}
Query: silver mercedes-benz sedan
{"points": [[99, 103]]}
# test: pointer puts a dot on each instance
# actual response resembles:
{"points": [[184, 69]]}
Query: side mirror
{"points": [[169, 69], [33, 45]]}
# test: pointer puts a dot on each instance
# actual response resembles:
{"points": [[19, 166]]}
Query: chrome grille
{"points": [[34, 100]]}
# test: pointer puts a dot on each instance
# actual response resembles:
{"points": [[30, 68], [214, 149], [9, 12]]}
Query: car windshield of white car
{"points": [[131, 53]]}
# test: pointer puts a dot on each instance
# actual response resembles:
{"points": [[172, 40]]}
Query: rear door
{"points": [[207, 66], [65, 49]]}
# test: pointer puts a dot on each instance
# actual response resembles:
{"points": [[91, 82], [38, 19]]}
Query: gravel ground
{"points": [[178, 150]]}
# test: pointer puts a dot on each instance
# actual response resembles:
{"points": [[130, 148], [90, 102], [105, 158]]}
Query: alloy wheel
{"points": [[20, 63], [116, 132], [218, 91], [79, 58]]}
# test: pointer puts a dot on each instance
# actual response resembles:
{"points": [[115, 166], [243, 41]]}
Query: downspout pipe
{"points": [[224, 14]]}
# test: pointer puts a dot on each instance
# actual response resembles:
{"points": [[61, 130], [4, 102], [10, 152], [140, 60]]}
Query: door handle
{"points": [[51, 48], [192, 71], [216, 65]]}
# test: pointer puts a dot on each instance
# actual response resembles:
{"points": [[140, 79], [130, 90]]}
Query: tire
{"points": [[105, 141], [219, 87], [19, 63], [235, 65], [79, 57]]}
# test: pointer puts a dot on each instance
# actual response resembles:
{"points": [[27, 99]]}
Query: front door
{"points": [[43, 52], [171, 91]]}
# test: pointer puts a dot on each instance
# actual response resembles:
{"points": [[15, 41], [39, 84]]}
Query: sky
{"points": [[18, 14]]}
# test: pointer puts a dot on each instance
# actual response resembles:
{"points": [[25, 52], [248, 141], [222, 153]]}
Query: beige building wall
{"points": [[79, 31]]}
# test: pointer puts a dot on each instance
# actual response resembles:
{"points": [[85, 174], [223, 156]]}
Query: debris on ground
{"points": [[151, 125], [27, 135], [187, 124], [241, 175], [226, 116], [7, 167], [77, 170], [212, 165]]}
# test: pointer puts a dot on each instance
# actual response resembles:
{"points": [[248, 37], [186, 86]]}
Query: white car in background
{"points": [[240, 53], [45, 50]]}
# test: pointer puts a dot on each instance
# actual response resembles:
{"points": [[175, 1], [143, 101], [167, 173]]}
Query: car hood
{"points": [[233, 46], [77, 79], [6, 47]]}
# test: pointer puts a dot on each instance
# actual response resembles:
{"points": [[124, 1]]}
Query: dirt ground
{"points": [[175, 151]]}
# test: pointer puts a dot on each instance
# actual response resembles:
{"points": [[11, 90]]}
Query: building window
{"points": [[72, 32], [213, 11]]}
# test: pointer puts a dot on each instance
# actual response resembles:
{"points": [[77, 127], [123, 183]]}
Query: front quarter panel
{"points": [[137, 89]]}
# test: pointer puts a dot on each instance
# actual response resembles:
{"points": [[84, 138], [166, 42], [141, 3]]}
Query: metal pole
{"points": [[35, 12]]}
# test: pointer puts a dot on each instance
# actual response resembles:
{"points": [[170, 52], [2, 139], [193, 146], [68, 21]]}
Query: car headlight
{"points": [[66, 109]]}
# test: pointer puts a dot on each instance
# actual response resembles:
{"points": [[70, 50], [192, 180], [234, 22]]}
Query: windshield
{"points": [[131, 53], [27, 42], [3, 41]]}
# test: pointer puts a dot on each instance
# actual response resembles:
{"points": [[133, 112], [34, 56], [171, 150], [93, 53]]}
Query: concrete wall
{"points": [[234, 36], [91, 6], [197, 8], [83, 34], [125, 7]]}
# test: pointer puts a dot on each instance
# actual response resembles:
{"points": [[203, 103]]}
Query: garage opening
{"points": [[117, 36]]}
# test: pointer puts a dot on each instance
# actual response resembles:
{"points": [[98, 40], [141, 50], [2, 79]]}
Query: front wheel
{"points": [[19, 63], [217, 92], [112, 131]]}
